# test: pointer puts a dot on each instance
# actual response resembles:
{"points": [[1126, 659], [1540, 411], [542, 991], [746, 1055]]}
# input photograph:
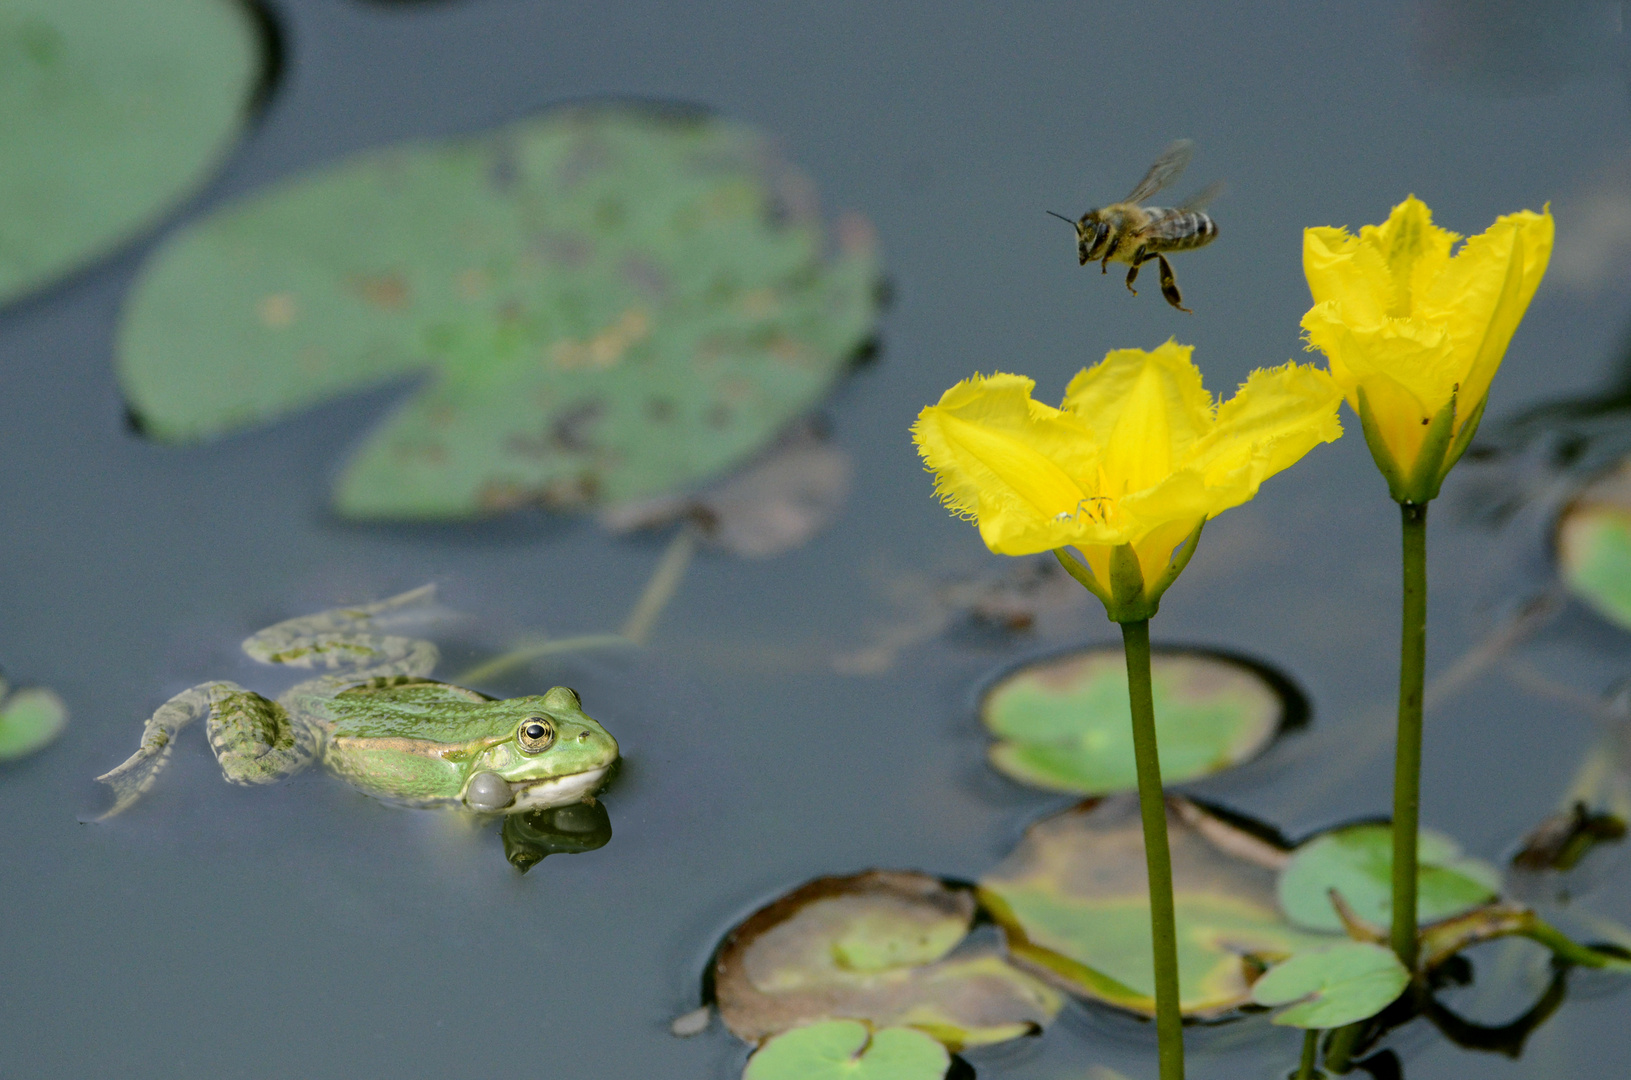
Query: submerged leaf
{"points": [[1357, 861], [29, 720], [1072, 900], [847, 1050], [1333, 985], [113, 113], [1594, 546], [874, 946], [610, 303], [1064, 723]]}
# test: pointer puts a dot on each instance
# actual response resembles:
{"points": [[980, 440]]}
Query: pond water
{"points": [[302, 929]]}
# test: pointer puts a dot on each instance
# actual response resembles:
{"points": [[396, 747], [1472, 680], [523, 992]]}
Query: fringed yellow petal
{"points": [[1161, 386], [1401, 418]]}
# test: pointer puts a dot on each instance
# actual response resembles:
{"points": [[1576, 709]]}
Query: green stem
{"points": [[1341, 1047], [1157, 856], [1407, 754], [1311, 1041]]}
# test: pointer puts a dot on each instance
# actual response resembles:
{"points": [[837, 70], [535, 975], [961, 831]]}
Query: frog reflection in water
{"points": [[381, 725]]}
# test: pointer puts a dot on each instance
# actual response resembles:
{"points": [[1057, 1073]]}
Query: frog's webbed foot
{"points": [[350, 640], [138, 772]]}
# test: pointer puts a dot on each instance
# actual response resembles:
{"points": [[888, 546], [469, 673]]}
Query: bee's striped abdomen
{"points": [[1179, 230]]}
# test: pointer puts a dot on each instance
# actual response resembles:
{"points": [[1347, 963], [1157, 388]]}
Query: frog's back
{"points": [[415, 709]]}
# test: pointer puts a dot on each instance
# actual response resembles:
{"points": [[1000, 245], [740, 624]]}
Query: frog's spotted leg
{"points": [[348, 640], [139, 771]]}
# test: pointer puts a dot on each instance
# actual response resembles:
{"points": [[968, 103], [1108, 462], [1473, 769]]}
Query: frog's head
{"points": [[552, 755]]}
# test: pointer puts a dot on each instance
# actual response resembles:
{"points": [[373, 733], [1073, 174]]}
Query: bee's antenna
{"points": [[1068, 221]]}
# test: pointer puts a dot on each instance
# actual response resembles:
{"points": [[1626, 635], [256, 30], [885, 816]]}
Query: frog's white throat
{"points": [[557, 791]]}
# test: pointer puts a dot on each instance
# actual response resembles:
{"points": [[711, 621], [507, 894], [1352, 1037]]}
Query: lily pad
{"points": [[1334, 985], [113, 114], [557, 830], [1594, 546], [848, 1050], [1064, 723], [29, 720], [875, 946], [1357, 861], [605, 303], [1072, 901]]}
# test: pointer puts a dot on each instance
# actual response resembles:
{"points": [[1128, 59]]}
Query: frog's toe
{"points": [[488, 792], [135, 776]]}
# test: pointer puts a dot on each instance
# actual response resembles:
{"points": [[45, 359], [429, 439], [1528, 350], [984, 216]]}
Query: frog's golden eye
{"points": [[535, 734]]}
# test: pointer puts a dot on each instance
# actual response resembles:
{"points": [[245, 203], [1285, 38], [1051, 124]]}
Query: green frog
{"points": [[381, 724]]}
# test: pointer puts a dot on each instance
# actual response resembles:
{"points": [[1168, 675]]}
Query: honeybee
{"points": [[1129, 233]]}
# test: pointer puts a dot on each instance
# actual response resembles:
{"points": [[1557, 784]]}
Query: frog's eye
{"points": [[535, 734]]}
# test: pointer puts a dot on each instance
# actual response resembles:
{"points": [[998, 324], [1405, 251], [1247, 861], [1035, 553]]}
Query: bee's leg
{"points": [[1169, 287], [1139, 257]]}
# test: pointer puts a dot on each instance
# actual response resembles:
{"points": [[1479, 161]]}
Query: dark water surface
{"points": [[303, 930]]}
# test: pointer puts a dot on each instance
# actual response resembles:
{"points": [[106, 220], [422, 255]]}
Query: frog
{"points": [[377, 721]]}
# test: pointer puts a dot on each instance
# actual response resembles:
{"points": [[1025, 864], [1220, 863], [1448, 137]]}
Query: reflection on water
{"points": [[556, 830]]}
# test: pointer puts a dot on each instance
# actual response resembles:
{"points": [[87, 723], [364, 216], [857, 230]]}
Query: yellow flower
{"points": [[1414, 334], [1128, 470]]}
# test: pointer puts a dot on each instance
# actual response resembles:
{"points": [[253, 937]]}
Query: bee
{"points": [[1133, 234]]}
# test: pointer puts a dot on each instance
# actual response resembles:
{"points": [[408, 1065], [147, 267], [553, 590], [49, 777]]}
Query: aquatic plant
{"points": [[1127, 472]]}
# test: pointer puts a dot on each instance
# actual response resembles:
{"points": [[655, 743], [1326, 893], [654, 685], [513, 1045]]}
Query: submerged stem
{"points": [[1407, 752], [1311, 1040], [1157, 856]]}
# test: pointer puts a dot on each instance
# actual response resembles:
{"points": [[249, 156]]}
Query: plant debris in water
{"points": [[29, 721], [1072, 901], [848, 1050], [1357, 861], [114, 113], [608, 302], [875, 946], [1061, 723], [555, 830]]}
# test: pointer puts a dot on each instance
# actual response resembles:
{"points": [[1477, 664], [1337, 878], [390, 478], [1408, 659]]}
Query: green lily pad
{"points": [[112, 115], [1334, 985], [29, 720], [848, 1050], [1594, 546], [1357, 861], [875, 946], [1072, 900], [607, 303], [1064, 723]]}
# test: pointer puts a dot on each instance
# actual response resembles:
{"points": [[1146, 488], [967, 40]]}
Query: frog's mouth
{"points": [[556, 790]]}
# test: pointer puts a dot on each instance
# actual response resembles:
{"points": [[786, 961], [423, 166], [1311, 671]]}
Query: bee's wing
{"points": [[1164, 171], [1201, 198]]}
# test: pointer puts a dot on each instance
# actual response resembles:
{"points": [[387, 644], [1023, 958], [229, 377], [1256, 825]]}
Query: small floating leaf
{"points": [[875, 946], [557, 830], [113, 113], [610, 303], [29, 719], [847, 1050], [1072, 900], [1357, 861], [1334, 985], [1594, 546], [1064, 723]]}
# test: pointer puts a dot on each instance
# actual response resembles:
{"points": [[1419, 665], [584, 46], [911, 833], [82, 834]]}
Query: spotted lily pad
{"points": [[875, 946], [1064, 723], [1333, 985], [1072, 901], [1357, 861], [29, 720], [110, 115], [604, 303], [848, 1050], [1594, 546]]}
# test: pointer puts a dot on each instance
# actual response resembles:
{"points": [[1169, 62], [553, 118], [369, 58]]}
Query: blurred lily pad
{"points": [[1357, 861], [848, 1050], [1594, 546], [1072, 901], [557, 830], [111, 115], [29, 720], [606, 303], [875, 946], [1064, 723], [1333, 985]]}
